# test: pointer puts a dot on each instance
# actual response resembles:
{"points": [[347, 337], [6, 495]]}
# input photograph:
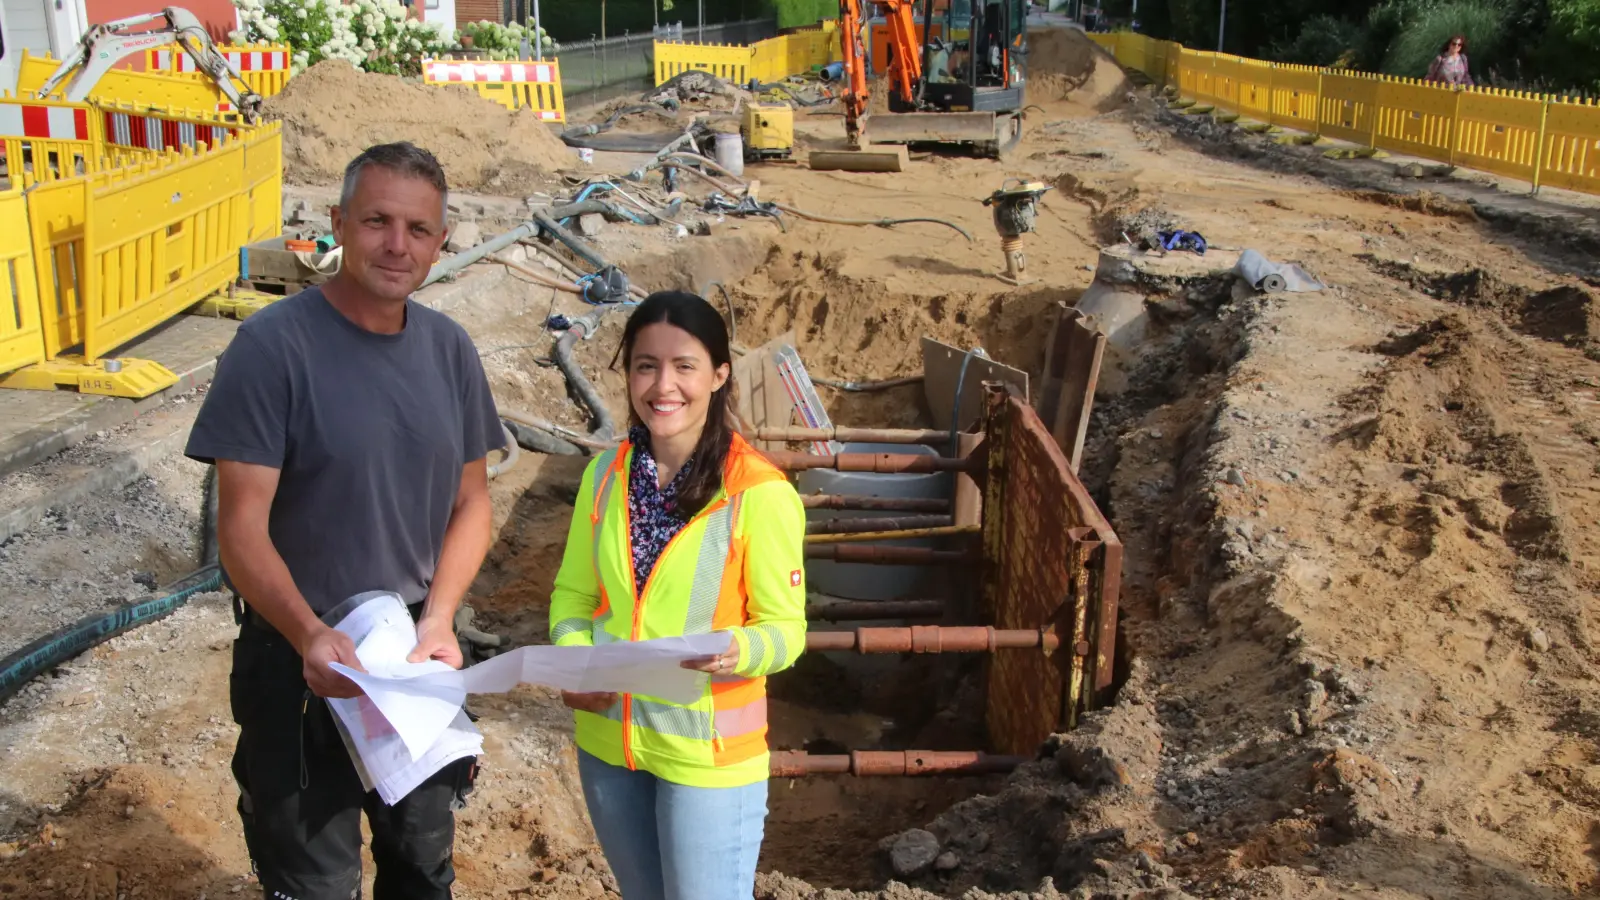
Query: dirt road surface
{"points": [[1361, 555]]}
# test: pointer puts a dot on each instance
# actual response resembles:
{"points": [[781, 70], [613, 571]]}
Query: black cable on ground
{"points": [[53, 649], [604, 427], [49, 651]]}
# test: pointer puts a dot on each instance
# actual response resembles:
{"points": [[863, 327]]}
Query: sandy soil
{"points": [[333, 111], [1361, 561]]}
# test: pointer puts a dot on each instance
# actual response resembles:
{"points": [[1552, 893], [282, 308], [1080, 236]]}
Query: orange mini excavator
{"points": [[955, 77]]}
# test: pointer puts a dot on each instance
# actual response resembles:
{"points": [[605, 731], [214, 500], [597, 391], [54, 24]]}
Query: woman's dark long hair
{"points": [[700, 319]]}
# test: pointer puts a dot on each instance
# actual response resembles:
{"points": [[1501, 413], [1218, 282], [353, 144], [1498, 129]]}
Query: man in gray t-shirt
{"points": [[350, 427]]}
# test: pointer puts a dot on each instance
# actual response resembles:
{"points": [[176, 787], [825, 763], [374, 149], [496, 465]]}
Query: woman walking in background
{"points": [[683, 529], [1450, 66]]}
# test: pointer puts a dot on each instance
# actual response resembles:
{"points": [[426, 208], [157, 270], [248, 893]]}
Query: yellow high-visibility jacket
{"points": [[737, 566]]}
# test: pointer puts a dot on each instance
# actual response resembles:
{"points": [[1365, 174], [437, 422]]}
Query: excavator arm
{"points": [[905, 64], [104, 45]]}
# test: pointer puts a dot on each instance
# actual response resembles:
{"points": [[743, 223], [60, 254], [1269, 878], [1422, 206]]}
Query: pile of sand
{"points": [[1063, 64], [333, 111]]}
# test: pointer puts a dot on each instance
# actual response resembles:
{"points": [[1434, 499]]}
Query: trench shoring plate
{"points": [[1051, 561]]}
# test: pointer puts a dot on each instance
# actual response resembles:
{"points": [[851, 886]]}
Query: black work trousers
{"points": [[301, 800]]}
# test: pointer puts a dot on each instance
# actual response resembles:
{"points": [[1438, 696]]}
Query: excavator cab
{"points": [[970, 89]]}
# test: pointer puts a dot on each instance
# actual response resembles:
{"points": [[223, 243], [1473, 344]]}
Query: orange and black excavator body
{"points": [[954, 77]]}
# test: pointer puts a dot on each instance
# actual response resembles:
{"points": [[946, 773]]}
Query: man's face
{"points": [[392, 232]]}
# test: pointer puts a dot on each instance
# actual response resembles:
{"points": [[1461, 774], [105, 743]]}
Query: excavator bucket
{"points": [[930, 127], [992, 133]]}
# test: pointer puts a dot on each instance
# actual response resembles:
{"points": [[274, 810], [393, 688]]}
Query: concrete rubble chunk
{"points": [[912, 852], [464, 236]]}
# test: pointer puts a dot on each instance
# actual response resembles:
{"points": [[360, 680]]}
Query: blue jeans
{"points": [[668, 841]]}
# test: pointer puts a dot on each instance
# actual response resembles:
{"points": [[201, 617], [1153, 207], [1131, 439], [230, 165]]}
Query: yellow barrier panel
{"points": [[1254, 89], [153, 90], [1540, 139], [1295, 90], [154, 248], [56, 213], [264, 67], [514, 85], [47, 141], [1571, 151], [1498, 132], [1416, 118], [21, 341], [119, 251], [1349, 108], [730, 63]]}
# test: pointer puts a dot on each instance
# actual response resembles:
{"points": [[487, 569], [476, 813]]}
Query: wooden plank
{"points": [[941, 368], [761, 399]]}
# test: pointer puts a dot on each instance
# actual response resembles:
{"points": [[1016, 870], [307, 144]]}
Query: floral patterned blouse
{"points": [[653, 515], [1450, 69]]}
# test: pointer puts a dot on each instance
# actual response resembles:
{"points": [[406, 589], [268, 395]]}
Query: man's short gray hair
{"points": [[401, 157]]}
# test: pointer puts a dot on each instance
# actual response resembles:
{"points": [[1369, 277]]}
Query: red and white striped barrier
{"points": [[153, 133], [243, 60], [54, 123], [441, 71]]}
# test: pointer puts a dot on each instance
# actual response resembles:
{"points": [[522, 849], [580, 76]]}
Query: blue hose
{"points": [[608, 186]]}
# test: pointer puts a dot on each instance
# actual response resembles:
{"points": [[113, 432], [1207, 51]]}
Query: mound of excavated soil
{"points": [[333, 111], [1063, 64]]}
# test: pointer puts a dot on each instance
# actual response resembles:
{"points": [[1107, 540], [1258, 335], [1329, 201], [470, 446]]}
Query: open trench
{"points": [[1079, 812], [827, 831]]}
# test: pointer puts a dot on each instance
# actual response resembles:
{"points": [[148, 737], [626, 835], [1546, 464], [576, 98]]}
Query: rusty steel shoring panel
{"points": [[796, 763], [1051, 562], [845, 435], [930, 639], [876, 504]]}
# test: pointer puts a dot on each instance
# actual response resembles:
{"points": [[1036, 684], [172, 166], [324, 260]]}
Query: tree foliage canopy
{"points": [[1551, 45]]}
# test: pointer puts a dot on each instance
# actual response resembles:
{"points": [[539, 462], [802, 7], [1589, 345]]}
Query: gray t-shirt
{"points": [[369, 432]]}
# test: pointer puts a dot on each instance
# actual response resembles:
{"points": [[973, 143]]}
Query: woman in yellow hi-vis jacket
{"points": [[683, 529]]}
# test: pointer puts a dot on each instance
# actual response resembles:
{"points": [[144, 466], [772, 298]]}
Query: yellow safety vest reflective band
{"points": [[720, 740]]}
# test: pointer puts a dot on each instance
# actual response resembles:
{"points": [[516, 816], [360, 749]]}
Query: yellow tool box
{"points": [[768, 131]]}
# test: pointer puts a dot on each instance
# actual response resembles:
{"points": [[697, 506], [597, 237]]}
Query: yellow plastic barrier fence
{"points": [[155, 246], [265, 67], [98, 259], [726, 61], [47, 141], [21, 342], [514, 85], [773, 59], [1537, 138], [121, 85]]}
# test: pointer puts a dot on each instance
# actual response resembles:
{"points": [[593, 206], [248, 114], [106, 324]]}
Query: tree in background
{"points": [[1534, 44]]}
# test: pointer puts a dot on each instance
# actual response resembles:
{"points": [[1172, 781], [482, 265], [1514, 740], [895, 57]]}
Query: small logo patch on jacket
{"points": [[794, 578]]}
